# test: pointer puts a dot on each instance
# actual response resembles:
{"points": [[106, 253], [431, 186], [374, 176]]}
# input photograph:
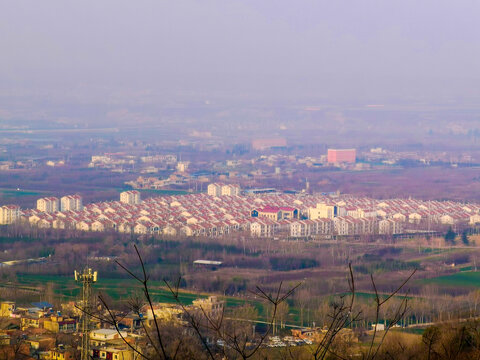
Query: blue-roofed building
{"points": [[43, 305]]}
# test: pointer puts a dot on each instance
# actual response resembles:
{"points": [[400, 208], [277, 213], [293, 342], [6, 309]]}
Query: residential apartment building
{"points": [[101, 337], [48, 205], [7, 308], [325, 211], [109, 344], [182, 166], [114, 352], [169, 313], [58, 324], [9, 214], [231, 190], [211, 307], [62, 354], [131, 197], [218, 189], [214, 189], [71, 203], [272, 213]]}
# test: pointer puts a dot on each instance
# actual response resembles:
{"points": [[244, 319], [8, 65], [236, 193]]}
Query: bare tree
{"points": [[397, 314], [228, 337], [343, 315], [237, 343]]}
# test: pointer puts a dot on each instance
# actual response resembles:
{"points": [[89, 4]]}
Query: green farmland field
{"points": [[115, 288], [124, 288], [13, 193], [460, 279]]}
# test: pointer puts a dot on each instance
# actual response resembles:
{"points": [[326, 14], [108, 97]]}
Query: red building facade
{"points": [[342, 155]]}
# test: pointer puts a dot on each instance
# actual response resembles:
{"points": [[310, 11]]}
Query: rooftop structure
{"points": [[207, 262]]}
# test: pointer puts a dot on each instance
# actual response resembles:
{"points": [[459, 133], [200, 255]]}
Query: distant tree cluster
{"points": [[450, 236], [285, 263]]}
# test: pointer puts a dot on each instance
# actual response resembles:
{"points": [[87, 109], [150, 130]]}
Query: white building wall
{"points": [[9, 214], [48, 204]]}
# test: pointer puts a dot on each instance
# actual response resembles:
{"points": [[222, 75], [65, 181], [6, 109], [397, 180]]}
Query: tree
{"points": [[282, 312], [465, 239], [450, 236], [430, 338]]}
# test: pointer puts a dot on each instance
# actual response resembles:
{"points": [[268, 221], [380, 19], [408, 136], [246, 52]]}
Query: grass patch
{"points": [[158, 192], [435, 254], [13, 193], [386, 266], [416, 331], [163, 192]]}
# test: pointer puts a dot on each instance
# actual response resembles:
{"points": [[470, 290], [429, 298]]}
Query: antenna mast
{"points": [[87, 278]]}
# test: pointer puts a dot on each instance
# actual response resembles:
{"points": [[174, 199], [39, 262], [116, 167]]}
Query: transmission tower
{"points": [[87, 278]]}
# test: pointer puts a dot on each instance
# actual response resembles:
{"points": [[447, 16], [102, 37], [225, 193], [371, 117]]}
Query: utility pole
{"points": [[87, 278]]}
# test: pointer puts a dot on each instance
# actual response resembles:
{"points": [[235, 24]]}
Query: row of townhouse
{"points": [[304, 228], [390, 227], [411, 211], [433, 216], [474, 219], [264, 227], [348, 225], [204, 215], [455, 218], [213, 229], [358, 212], [444, 215], [342, 225]]}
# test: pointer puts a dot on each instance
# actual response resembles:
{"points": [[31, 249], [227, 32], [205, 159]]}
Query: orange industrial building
{"points": [[342, 155]]}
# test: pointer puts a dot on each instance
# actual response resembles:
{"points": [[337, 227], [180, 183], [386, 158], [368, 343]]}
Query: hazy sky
{"points": [[355, 48]]}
